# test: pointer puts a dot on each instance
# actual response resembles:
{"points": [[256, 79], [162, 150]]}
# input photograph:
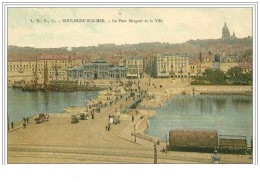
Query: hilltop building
{"points": [[226, 34]]}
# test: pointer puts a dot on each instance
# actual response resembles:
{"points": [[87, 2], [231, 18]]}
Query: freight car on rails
{"points": [[193, 140], [206, 141]]}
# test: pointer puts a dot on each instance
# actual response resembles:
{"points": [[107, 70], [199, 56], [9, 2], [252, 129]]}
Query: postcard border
{"points": [[254, 6]]}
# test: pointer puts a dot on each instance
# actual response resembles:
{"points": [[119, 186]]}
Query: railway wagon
{"points": [[203, 140], [232, 144]]}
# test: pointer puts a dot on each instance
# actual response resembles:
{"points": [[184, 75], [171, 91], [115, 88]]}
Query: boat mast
{"points": [[36, 77], [46, 75], [56, 72]]}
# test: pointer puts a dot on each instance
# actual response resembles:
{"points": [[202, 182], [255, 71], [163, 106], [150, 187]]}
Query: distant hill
{"points": [[112, 52]]}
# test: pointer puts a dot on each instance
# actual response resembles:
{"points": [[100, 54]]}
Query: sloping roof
{"points": [[99, 60], [194, 61], [245, 65], [206, 55], [99, 64], [172, 55], [118, 68], [76, 68], [135, 58], [61, 56], [225, 58]]}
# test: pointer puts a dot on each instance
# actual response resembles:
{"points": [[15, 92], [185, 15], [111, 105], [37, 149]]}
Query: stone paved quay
{"points": [[59, 141]]}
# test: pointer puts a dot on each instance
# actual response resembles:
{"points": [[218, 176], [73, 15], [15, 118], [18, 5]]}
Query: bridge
{"points": [[133, 104]]}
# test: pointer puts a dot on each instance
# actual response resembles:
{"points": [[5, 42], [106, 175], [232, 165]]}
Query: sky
{"points": [[178, 25]]}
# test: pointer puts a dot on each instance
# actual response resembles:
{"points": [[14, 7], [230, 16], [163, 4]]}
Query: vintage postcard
{"points": [[131, 85]]}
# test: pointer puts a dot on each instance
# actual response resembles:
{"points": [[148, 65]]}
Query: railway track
{"points": [[87, 154]]}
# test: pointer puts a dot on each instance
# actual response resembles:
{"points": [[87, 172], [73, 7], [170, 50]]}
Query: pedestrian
{"points": [[92, 114], [24, 125], [109, 127], [111, 120], [12, 124], [133, 118], [215, 157]]}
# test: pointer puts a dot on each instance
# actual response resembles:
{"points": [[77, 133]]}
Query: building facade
{"points": [[206, 62], [171, 65], [28, 71], [134, 66], [75, 72], [227, 62], [98, 69], [246, 67], [117, 72], [194, 68]]}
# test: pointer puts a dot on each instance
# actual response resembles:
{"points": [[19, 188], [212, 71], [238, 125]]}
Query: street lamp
{"points": [[46, 107]]}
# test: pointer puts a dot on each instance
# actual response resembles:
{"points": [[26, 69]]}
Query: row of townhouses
{"points": [[166, 65], [181, 66], [28, 70]]}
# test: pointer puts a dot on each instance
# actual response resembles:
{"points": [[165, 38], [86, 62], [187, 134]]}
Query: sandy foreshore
{"points": [[59, 141]]}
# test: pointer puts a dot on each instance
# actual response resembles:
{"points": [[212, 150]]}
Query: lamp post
{"points": [[181, 75], [135, 132], [46, 107]]}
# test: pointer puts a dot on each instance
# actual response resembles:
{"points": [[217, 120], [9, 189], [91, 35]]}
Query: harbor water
{"points": [[25, 104], [227, 114]]}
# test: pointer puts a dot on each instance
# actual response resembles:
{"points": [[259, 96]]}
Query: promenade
{"points": [[59, 141]]}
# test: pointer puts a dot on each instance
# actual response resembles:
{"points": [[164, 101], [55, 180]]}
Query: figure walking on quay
{"points": [[108, 127], [24, 125], [111, 120], [215, 157], [92, 115]]}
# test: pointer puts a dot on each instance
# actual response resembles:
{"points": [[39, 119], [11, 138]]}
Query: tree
{"points": [[214, 76], [236, 75], [248, 77]]}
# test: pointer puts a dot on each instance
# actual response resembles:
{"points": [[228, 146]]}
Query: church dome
{"points": [[225, 33]]}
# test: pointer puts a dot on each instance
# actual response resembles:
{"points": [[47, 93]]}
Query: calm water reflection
{"points": [[24, 104], [229, 115]]}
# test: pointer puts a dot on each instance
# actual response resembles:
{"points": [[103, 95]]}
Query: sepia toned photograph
{"points": [[130, 85]]}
